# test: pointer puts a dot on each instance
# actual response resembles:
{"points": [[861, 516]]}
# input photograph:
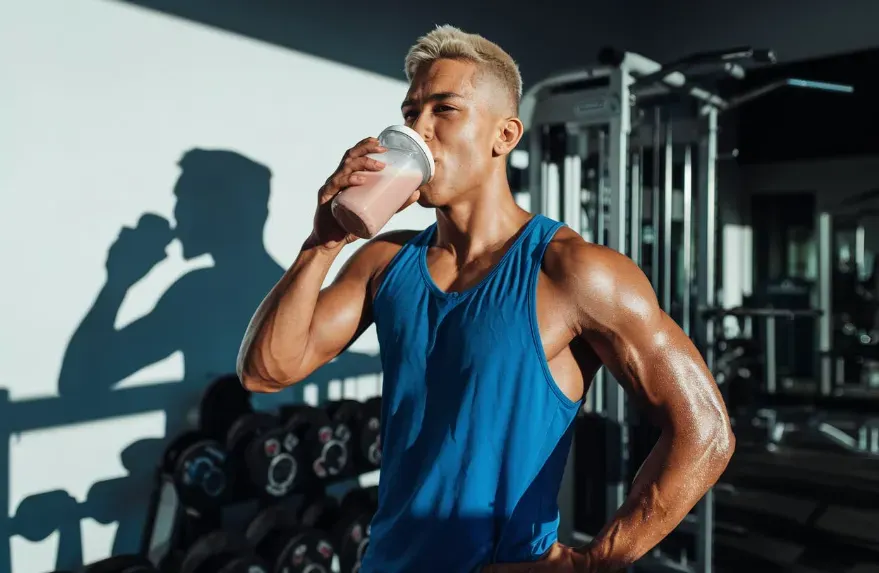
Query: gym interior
{"points": [[729, 149]]}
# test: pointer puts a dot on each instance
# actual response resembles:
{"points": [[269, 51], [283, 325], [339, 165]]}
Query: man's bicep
{"points": [[647, 352], [342, 313]]}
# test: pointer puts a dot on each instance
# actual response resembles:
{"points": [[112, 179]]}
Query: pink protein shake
{"points": [[364, 209]]}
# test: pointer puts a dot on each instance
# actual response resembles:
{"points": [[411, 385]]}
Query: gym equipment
{"points": [[121, 564], [279, 535], [351, 530], [364, 420], [264, 454], [617, 111], [270, 453], [324, 440], [221, 551], [199, 469]]}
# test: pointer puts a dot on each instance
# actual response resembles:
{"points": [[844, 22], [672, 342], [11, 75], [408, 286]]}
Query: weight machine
{"points": [[596, 135]]}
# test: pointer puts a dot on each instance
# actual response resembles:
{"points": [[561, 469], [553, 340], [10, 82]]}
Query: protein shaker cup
{"points": [[364, 209]]}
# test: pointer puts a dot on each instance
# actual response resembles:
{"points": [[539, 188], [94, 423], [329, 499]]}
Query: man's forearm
{"points": [[673, 478], [275, 343]]}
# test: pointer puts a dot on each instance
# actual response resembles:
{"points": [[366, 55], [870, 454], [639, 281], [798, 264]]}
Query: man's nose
{"points": [[424, 126]]}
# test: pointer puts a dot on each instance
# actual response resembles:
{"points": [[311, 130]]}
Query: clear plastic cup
{"points": [[364, 209]]}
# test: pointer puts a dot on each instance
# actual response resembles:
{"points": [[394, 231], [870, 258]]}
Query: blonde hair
{"points": [[449, 42]]}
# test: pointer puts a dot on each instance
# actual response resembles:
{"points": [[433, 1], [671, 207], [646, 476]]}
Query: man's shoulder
{"points": [[569, 257], [378, 252]]}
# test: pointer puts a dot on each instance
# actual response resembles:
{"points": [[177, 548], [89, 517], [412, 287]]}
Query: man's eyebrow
{"points": [[440, 96]]}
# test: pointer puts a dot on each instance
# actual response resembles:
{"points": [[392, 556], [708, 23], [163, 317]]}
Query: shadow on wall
{"points": [[221, 209]]}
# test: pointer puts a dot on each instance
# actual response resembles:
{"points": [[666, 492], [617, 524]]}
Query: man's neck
{"points": [[481, 222]]}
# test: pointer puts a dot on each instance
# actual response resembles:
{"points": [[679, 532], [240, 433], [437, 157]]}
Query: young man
{"points": [[492, 324]]}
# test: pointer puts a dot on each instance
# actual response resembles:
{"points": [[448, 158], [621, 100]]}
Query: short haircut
{"points": [[449, 42]]}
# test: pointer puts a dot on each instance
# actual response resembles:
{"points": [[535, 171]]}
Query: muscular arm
{"points": [[299, 327], [617, 314]]}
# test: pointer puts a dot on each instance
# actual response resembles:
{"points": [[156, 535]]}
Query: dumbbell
{"points": [[121, 564], [279, 537], [200, 469], [347, 523], [364, 420], [265, 455], [352, 529], [221, 552], [325, 441]]}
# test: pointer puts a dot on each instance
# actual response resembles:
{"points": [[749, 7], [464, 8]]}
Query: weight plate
{"points": [[281, 516], [177, 445], [224, 401], [326, 441], [202, 475], [319, 512], [370, 433], [245, 564], [353, 540], [245, 428], [309, 551], [273, 461], [211, 548]]}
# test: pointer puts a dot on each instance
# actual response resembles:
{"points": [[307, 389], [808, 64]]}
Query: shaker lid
{"points": [[418, 144]]}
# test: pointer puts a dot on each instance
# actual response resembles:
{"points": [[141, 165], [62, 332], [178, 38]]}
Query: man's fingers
{"points": [[368, 145]]}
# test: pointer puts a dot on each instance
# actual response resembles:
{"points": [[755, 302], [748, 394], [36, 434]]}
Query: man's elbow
{"points": [[720, 444], [259, 381], [261, 385]]}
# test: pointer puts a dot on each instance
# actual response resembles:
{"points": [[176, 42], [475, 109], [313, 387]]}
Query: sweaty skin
{"points": [[594, 307]]}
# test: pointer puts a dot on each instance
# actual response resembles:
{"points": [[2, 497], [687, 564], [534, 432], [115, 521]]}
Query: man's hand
{"points": [[559, 559], [327, 232]]}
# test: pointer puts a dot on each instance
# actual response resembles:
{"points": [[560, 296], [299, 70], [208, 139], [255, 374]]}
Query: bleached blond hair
{"points": [[449, 42]]}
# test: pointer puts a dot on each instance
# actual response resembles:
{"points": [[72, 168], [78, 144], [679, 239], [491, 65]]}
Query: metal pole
{"points": [[769, 356], [637, 201], [707, 255], [655, 202], [688, 237], [618, 154], [571, 202], [601, 190], [536, 169], [825, 323], [667, 205]]}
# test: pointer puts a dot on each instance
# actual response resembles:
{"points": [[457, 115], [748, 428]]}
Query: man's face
{"points": [[451, 107]]}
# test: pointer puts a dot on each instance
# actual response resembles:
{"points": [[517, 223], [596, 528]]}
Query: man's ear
{"points": [[509, 131]]}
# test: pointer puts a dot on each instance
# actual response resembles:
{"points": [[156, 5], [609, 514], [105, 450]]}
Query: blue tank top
{"points": [[475, 432]]}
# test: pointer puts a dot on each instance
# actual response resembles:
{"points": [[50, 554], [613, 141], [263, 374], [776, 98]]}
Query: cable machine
{"points": [[624, 153]]}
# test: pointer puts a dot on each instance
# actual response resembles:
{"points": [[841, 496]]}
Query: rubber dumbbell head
{"points": [[216, 551], [266, 453], [370, 436], [223, 401], [325, 441], [201, 473], [352, 530], [247, 564], [287, 545], [364, 421]]}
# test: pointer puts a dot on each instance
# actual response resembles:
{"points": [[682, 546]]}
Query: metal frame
{"points": [[605, 102]]}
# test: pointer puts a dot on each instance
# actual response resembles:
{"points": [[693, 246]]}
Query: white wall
{"points": [[100, 102]]}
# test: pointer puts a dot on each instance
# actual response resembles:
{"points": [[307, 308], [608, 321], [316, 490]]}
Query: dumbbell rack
{"points": [[30, 415]]}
